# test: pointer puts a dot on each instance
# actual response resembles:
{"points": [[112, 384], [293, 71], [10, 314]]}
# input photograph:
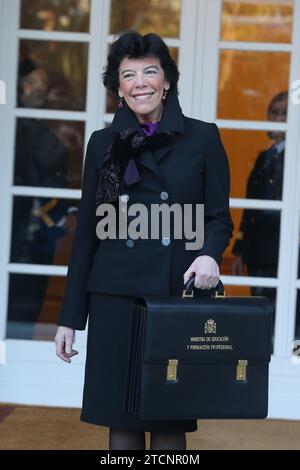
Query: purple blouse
{"points": [[149, 127]]}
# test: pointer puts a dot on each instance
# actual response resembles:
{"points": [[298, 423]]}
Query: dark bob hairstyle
{"points": [[134, 45], [282, 96]]}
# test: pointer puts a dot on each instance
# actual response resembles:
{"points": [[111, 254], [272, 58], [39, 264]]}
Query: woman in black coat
{"points": [[151, 154]]}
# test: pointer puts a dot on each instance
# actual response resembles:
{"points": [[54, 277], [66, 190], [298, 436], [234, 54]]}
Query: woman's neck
{"points": [[155, 116]]}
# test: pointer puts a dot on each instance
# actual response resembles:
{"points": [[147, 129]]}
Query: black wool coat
{"points": [[192, 170]]}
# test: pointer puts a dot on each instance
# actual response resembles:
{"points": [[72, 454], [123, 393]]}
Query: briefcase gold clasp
{"points": [[172, 369], [241, 369]]}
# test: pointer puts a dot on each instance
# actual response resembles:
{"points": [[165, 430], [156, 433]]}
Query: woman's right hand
{"points": [[64, 340]]}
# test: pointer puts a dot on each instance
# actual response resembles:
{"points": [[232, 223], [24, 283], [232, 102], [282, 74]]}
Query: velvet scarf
{"points": [[121, 156]]}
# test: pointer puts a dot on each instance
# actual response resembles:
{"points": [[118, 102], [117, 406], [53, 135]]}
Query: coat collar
{"points": [[172, 118]]}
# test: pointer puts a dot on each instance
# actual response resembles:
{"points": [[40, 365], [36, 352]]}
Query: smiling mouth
{"points": [[142, 96]]}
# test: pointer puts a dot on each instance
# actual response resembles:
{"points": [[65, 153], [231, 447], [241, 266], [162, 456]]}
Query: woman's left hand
{"points": [[206, 270]]}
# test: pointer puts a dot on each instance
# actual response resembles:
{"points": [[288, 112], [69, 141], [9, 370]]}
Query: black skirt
{"points": [[106, 369]]}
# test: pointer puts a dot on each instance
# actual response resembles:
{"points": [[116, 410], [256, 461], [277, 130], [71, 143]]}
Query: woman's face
{"points": [[278, 113], [142, 83]]}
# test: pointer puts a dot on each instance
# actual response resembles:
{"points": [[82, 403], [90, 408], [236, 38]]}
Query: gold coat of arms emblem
{"points": [[210, 326]]}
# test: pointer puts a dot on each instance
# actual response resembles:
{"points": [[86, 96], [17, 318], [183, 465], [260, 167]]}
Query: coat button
{"points": [[164, 195], [166, 241], [130, 243], [124, 197]]}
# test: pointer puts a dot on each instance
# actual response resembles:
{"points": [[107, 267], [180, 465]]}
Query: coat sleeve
{"points": [[74, 307], [218, 225]]}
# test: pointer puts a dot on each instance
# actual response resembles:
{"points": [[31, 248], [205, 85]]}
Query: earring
{"points": [[121, 101], [164, 97]]}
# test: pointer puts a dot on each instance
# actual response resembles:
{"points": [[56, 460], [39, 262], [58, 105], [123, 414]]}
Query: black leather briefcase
{"points": [[196, 357]]}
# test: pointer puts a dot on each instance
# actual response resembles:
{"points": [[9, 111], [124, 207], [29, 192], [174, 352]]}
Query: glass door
{"points": [[51, 54], [250, 61]]}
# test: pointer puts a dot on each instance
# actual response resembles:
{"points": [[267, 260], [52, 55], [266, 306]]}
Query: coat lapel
{"points": [[172, 120], [147, 159], [160, 153]]}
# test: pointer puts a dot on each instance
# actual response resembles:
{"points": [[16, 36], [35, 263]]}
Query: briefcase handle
{"points": [[189, 288]]}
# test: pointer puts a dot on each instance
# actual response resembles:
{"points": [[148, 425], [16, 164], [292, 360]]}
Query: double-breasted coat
{"points": [[105, 275]]}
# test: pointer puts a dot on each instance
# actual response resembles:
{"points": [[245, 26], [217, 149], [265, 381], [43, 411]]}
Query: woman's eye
{"points": [[130, 75]]}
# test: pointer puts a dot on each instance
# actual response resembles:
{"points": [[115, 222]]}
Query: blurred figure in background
{"points": [[257, 243]]}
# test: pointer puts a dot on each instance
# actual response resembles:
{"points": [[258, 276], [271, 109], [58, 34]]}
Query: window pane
{"points": [[248, 81], [33, 306], [146, 16], [257, 21], [48, 153], [256, 160], [255, 245], [52, 75], [56, 15], [112, 101], [42, 230]]}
